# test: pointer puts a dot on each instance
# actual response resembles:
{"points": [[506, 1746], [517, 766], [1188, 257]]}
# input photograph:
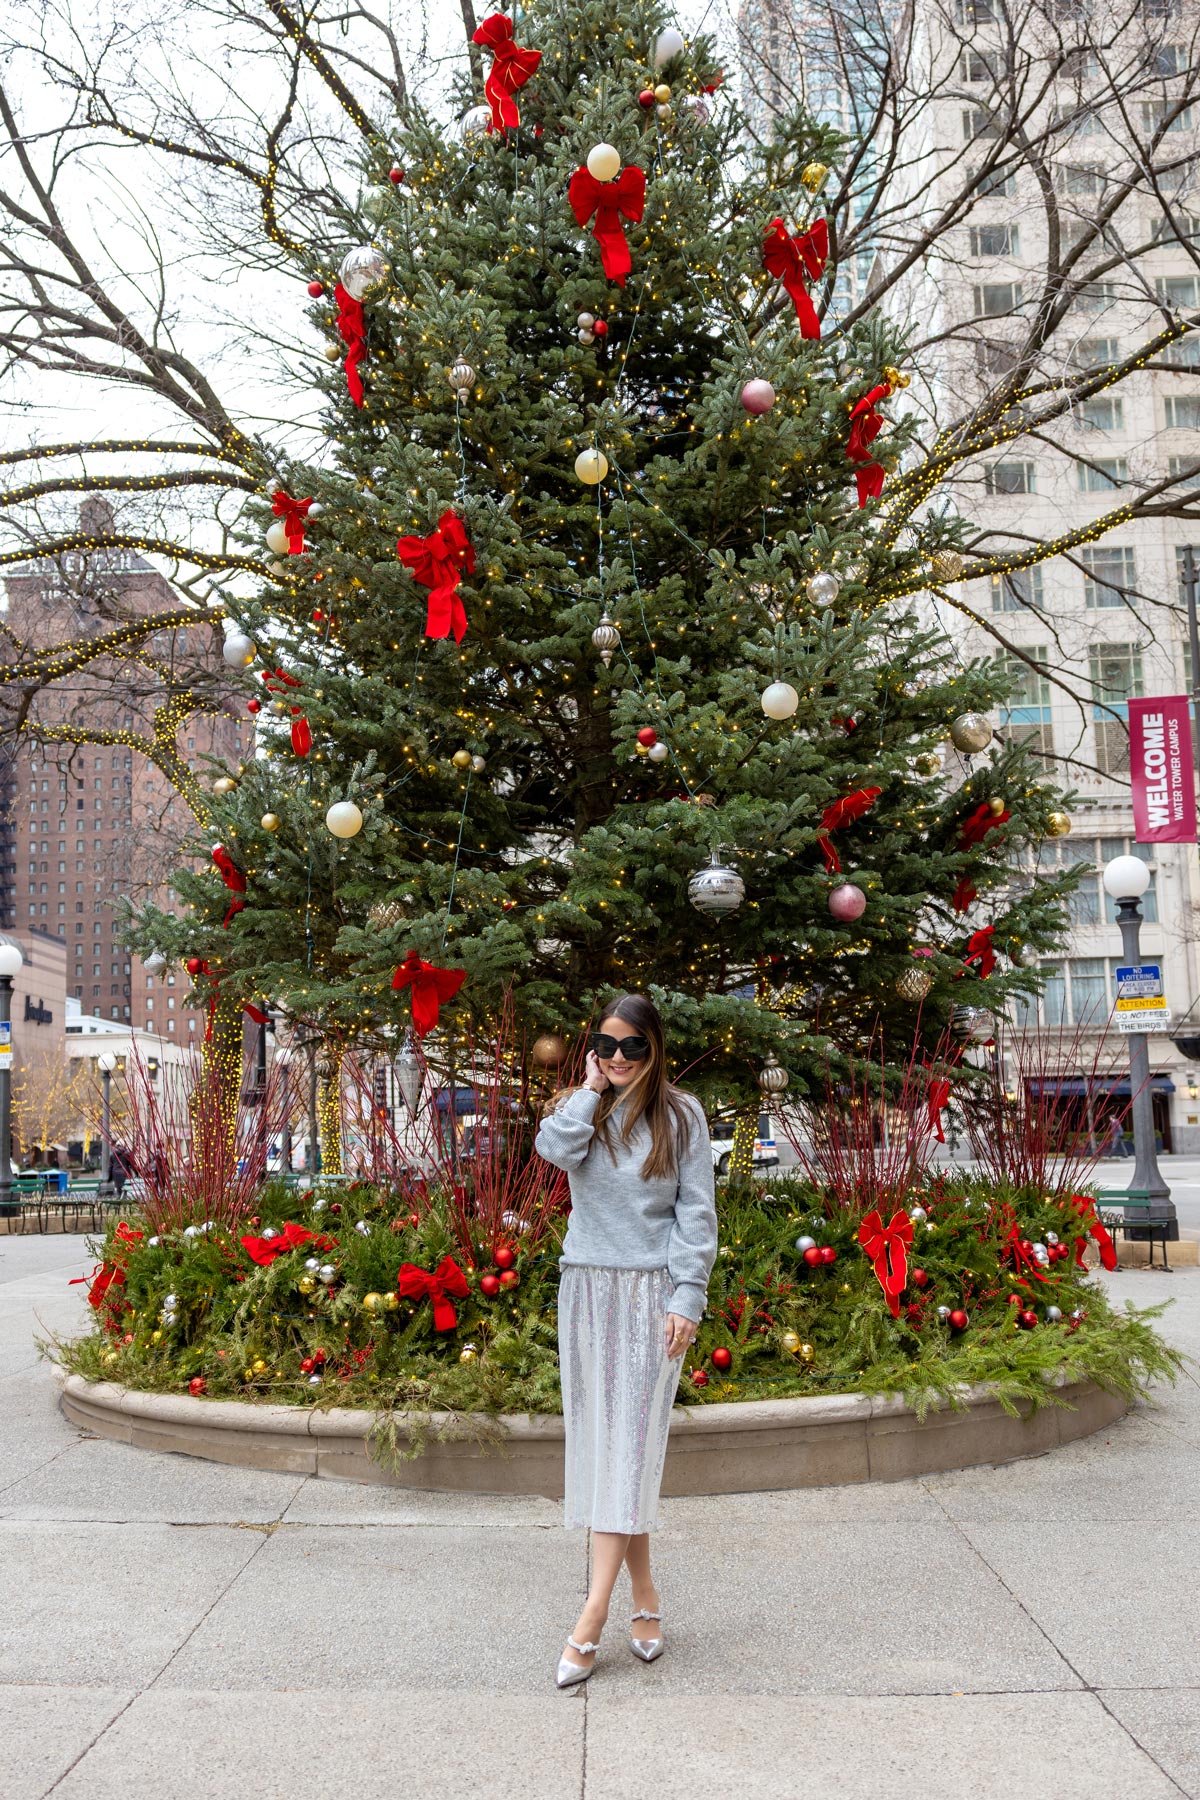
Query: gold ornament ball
{"points": [[996, 805], [970, 732], [812, 175], [260, 1367], [662, 92], [807, 1353], [155, 1337], [391, 1302], [1058, 825], [110, 1356], [333, 352], [372, 1302], [384, 914], [914, 983], [306, 1284], [891, 375], [790, 1342], [225, 784], [247, 1374], [270, 821], [947, 565], [466, 1354], [929, 762], [547, 1051], [461, 759]]}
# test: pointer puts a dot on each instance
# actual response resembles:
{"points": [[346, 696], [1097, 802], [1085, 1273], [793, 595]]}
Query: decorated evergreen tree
{"points": [[586, 638]]}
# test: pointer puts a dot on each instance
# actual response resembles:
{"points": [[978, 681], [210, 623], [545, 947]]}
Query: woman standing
{"points": [[635, 1263]]}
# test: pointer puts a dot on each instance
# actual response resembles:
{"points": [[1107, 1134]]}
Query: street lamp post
{"points": [[10, 962], [1126, 878], [106, 1062]]}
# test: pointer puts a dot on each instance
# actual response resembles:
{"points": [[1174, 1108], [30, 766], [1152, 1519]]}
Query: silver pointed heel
{"points": [[569, 1672], [646, 1651]]}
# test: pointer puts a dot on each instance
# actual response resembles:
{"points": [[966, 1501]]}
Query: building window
{"points": [[1165, 115], [995, 240], [979, 124], [1025, 717], [1175, 227], [1116, 676], [999, 183], [1177, 290], [1110, 571], [1102, 473], [1104, 412], [1095, 296], [1016, 589], [995, 298], [1074, 179], [1185, 470], [1183, 412], [1010, 478]]}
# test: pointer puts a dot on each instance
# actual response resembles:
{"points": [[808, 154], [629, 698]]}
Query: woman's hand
{"points": [[680, 1332], [595, 1079]]}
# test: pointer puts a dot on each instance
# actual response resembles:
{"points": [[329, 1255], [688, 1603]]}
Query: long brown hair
{"points": [[654, 1097]]}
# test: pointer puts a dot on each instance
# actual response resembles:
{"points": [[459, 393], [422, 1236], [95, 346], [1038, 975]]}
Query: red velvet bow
{"points": [[351, 324], [790, 258], [887, 1246], [234, 880], [609, 200], [843, 812], [979, 949], [278, 683], [965, 893], [865, 425], [293, 513], [981, 821], [104, 1274], [1089, 1219], [264, 1250], [939, 1099], [437, 562], [430, 986], [1013, 1246], [415, 1284], [511, 69]]}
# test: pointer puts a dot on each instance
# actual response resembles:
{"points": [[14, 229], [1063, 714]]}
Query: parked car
{"points": [[766, 1152]]}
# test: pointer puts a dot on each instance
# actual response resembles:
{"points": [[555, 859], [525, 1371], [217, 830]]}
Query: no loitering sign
{"points": [[1162, 772]]}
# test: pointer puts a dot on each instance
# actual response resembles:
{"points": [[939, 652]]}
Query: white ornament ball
{"points": [[155, 963], [1053, 1315], [667, 45], [478, 765], [344, 819], [805, 1243], [604, 162], [585, 321], [780, 700], [917, 1214], [152, 1243], [363, 267], [823, 588], [277, 538], [658, 752], [591, 466], [238, 650], [758, 396], [663, 109], [311, 1263], [315, 510], [586, 337]]}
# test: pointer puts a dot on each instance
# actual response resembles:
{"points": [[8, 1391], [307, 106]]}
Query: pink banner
{"points": [[1162, 771]]}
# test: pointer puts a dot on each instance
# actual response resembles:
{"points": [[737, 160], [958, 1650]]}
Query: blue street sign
{"points": [[1140, 981]]}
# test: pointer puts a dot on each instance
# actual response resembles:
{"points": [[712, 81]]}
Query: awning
{"points": [[1075, 1087]]}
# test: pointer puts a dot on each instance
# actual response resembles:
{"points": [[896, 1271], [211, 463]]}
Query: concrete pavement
{"points": [[170, 1627]]}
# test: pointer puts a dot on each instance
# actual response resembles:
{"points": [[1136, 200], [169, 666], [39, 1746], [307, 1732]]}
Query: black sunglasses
{"points": [[636, 1049]]}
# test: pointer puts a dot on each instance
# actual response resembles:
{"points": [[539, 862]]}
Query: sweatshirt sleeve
{"points": [[692, 1245], [564, 1136]]}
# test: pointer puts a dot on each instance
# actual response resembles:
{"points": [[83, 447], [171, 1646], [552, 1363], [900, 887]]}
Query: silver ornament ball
{"points": [[716, 889], [361, 269]]}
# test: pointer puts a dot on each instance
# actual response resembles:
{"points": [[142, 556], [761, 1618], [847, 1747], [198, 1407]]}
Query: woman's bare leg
{"points": [[645, 1594], [608, 1553]]}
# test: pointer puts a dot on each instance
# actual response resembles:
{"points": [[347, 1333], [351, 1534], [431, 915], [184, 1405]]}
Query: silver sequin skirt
{"points": [[618, 1388]]}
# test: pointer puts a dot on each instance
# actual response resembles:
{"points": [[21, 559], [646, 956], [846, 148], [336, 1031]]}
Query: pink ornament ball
{"points": [[758, 396], [847, 903]]}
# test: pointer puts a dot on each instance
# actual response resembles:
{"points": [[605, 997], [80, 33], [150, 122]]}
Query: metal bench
{"points": [[1135, 1200]]}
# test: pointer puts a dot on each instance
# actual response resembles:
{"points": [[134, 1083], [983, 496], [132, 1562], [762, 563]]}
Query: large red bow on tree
{"points": [[278, 683], [865, 425], [293, 513], [352, 326], [415, 1284], [939, 1100], [789, 259], [234, 880], [511, 69], [979, 949], [843, 812], [887, 1246], [104, 1274], [1085, 1206], [264, 1250], [437, 562], [974, 829], [430, 986], [1014, 1246], [609, 200], [198, 967]]}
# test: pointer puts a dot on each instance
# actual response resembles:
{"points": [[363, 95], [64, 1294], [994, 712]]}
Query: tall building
{"points": [[83, 826]]}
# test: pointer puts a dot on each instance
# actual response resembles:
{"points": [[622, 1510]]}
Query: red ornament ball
{"points": [[509, 1279], [503, 1257], [197, 1386], [1015, 1300], [920, 1278], [306, 1367], [699, 1378], [489, 1285], [193, 965], [828, 1253], [336, 1207], [721, 1358], [318, 1356], [600, 328], [253, 706], [648, 736], [316, 289], [812, 1255], [413, 1219], [1026, 1319], [646, 99], [958, 1319], [396, 176]]}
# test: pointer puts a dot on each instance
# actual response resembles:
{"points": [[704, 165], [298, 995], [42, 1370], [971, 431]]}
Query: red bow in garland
{"points": [[430, 986], [104, 1274], [1090, 1220], [352, 327], [264, 1250], [965, 893], [789, 259], [982, 820], [979, 949], [301, 731], [234, 880], [609, 200], [888, 1246], [1014, 1246], [865, 425], [293, 513], [939, 1099], [437, 562], [843, 812], [251, 1012], [511, 69], [415, 1284]]}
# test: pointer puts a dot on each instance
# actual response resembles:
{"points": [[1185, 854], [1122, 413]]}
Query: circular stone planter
{"points": [[725, 1448]]}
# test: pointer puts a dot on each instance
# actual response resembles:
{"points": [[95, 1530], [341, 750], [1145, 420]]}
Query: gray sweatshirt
{"points": [[621, 1220]]}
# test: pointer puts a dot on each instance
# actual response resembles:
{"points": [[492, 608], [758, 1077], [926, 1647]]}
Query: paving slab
{"points": [[1063, 1746], [46, 1729], [1166, 1722], [223, 1744], [97, 1479]]}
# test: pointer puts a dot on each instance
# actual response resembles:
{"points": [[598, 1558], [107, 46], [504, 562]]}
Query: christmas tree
{"points": [[593, 596]]}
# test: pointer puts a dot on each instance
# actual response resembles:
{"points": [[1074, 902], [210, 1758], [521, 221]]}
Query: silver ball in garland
{"points": [[327, 1273], [805, 1243], [943, 1312], [311, 1264], [1053, 1315], [974, 1023], [917, 1214], [361, 269], [823, 588], [971, 732], [716, 889]]}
